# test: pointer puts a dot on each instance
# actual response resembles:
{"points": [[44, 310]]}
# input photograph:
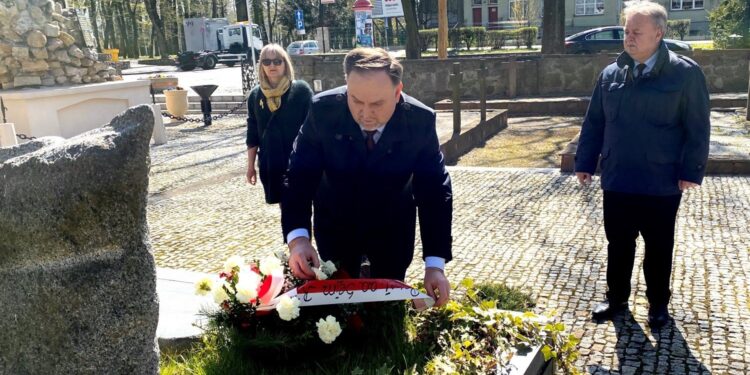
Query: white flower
{"points": [[247, 285], [220, 295], [288, 308], [270, 264], [328, 267], [328, 329], [320, 275], [203, 286], [233, 261], [246, 291]]}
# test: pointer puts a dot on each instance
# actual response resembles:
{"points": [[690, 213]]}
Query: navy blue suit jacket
{"points": [[366, 203], [650, 132]]}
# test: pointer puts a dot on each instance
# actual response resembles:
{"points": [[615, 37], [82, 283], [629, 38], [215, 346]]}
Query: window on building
{"points": [[687, 4], [476, 3], [589, 7], [493, 1], [518, 9]]}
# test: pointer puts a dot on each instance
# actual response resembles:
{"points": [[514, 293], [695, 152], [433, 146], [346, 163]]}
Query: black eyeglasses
{"points": [[268, 62]]}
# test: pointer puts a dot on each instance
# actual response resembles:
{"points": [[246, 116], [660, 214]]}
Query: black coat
{"points": [[651, 132], [274, 133], [366, 203]]}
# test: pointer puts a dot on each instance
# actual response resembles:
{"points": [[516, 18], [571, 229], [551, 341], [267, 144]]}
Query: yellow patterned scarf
{"points": [[273, 95]]}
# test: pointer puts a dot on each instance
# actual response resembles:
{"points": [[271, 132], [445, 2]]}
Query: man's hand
{"points": [[437, 285], [251, 175], [685, 185], [584, 178], [302, 254]]}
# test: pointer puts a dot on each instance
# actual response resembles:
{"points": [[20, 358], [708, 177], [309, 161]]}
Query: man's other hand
{"points": [[251, 175], [584, 178], [302, 254], [685, 185], [437, 285]]}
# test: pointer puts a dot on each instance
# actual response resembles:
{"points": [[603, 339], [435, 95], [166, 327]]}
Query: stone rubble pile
{"points": [[38, 47]]}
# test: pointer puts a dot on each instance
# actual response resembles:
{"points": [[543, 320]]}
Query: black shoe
{"points": [[658, 317], [607, 310]]}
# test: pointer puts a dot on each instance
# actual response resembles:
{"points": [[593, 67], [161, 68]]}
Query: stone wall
{"points": [[535, 75], [39, 47]]}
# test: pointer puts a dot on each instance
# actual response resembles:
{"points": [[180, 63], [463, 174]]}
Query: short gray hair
{"points": [[656, 11]]}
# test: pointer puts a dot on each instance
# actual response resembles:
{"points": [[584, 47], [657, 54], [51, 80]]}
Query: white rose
{"points": [[288, 308], [328, 329], [328, 267], [233, 261], [246, 291], [220, 295], [250, 278], [203, 286], [270, 264]]}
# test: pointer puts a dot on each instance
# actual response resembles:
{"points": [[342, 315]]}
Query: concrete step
{"points": [[568, 106]]}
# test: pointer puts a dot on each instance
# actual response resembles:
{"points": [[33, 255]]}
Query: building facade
{"points": [[579, 14]]}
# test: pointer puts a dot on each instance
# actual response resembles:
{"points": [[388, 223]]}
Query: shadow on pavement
{"points": [[636, 354]]}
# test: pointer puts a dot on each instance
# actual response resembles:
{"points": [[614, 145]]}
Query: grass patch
{"points": [[532, 142], [705, 45], [394, 339]]}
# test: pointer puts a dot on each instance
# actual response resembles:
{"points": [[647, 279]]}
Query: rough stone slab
{"points": [[36, 39], [67, 39], [21, 81], [77, 277]]}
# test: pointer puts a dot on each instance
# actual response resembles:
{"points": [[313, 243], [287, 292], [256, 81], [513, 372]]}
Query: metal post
{"points": [[2, 109], [385, 28], [483, 90], [512, 77], [747, 109], [252, 44], [456, 83]]}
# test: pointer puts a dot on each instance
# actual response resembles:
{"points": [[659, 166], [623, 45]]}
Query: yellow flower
{"points": [[220, 294], [232, 262], [203, 286]]}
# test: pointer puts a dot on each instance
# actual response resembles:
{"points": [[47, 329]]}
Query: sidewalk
{"points": [[531, 228]]}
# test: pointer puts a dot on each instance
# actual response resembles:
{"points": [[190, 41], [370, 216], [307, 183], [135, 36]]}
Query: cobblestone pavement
{"points": [[531, 228]]}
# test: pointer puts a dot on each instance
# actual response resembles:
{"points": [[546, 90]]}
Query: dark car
{"points": [[608, 39]]}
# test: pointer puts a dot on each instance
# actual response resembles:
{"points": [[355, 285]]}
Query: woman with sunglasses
{"points": [[277, 107]]}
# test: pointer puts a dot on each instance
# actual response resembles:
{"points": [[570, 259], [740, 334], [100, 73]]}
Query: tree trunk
{"points": [[158, 24], [553, 27], [214, 9], [131, 7], [122, 39], [258, 18], [109, 28], [412, 30], [92, 16]]}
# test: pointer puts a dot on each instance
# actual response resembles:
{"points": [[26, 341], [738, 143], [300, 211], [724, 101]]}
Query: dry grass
{"points": [[531, 142]]}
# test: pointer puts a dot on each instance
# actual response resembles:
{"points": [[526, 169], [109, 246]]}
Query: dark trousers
{"points": [[627, 215]]}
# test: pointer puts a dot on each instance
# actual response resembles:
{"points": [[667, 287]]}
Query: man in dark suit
{"points": [[649, 121], [367, 159]]}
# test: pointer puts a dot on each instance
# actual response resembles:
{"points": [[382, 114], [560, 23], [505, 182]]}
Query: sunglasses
{"points": [[268, 62]]}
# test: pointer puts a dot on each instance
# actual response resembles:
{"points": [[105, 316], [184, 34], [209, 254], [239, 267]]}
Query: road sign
{"points": [[299, 21]]}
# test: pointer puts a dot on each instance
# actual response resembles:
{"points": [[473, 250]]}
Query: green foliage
{"points": [[472, 35], [729, 24], [428, 38], [470, 336], [497, 38], [678, 28], [526, 35]]}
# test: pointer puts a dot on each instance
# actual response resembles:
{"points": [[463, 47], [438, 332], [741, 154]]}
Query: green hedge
{"points": [[678, 28], [479, 37]]}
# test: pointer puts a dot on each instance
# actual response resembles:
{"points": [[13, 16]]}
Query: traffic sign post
{"points": [[299, 22]]}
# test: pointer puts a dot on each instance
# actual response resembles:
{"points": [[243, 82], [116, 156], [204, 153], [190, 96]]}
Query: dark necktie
{"points": [[640, 69], [370, 139]]}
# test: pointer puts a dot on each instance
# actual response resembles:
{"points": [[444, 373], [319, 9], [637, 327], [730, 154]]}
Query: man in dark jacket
{"points": [[649, 121], [367, 159]]}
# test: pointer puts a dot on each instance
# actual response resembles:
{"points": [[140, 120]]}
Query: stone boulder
{"points": [[29, 66], [36, 39], [21, 81], [51, 30], [77, 277], [67, 39], [54, 43], [23, 23]]}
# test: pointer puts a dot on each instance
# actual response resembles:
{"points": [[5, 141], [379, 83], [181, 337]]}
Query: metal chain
{"points": [[231, 112], [25, 137]]}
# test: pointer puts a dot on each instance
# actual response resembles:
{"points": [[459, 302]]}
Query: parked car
{"points": [[609, 38], [303, 47]]}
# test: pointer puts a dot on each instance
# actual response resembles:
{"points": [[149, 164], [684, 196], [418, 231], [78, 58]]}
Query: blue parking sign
{"points": [[299, 21]]}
